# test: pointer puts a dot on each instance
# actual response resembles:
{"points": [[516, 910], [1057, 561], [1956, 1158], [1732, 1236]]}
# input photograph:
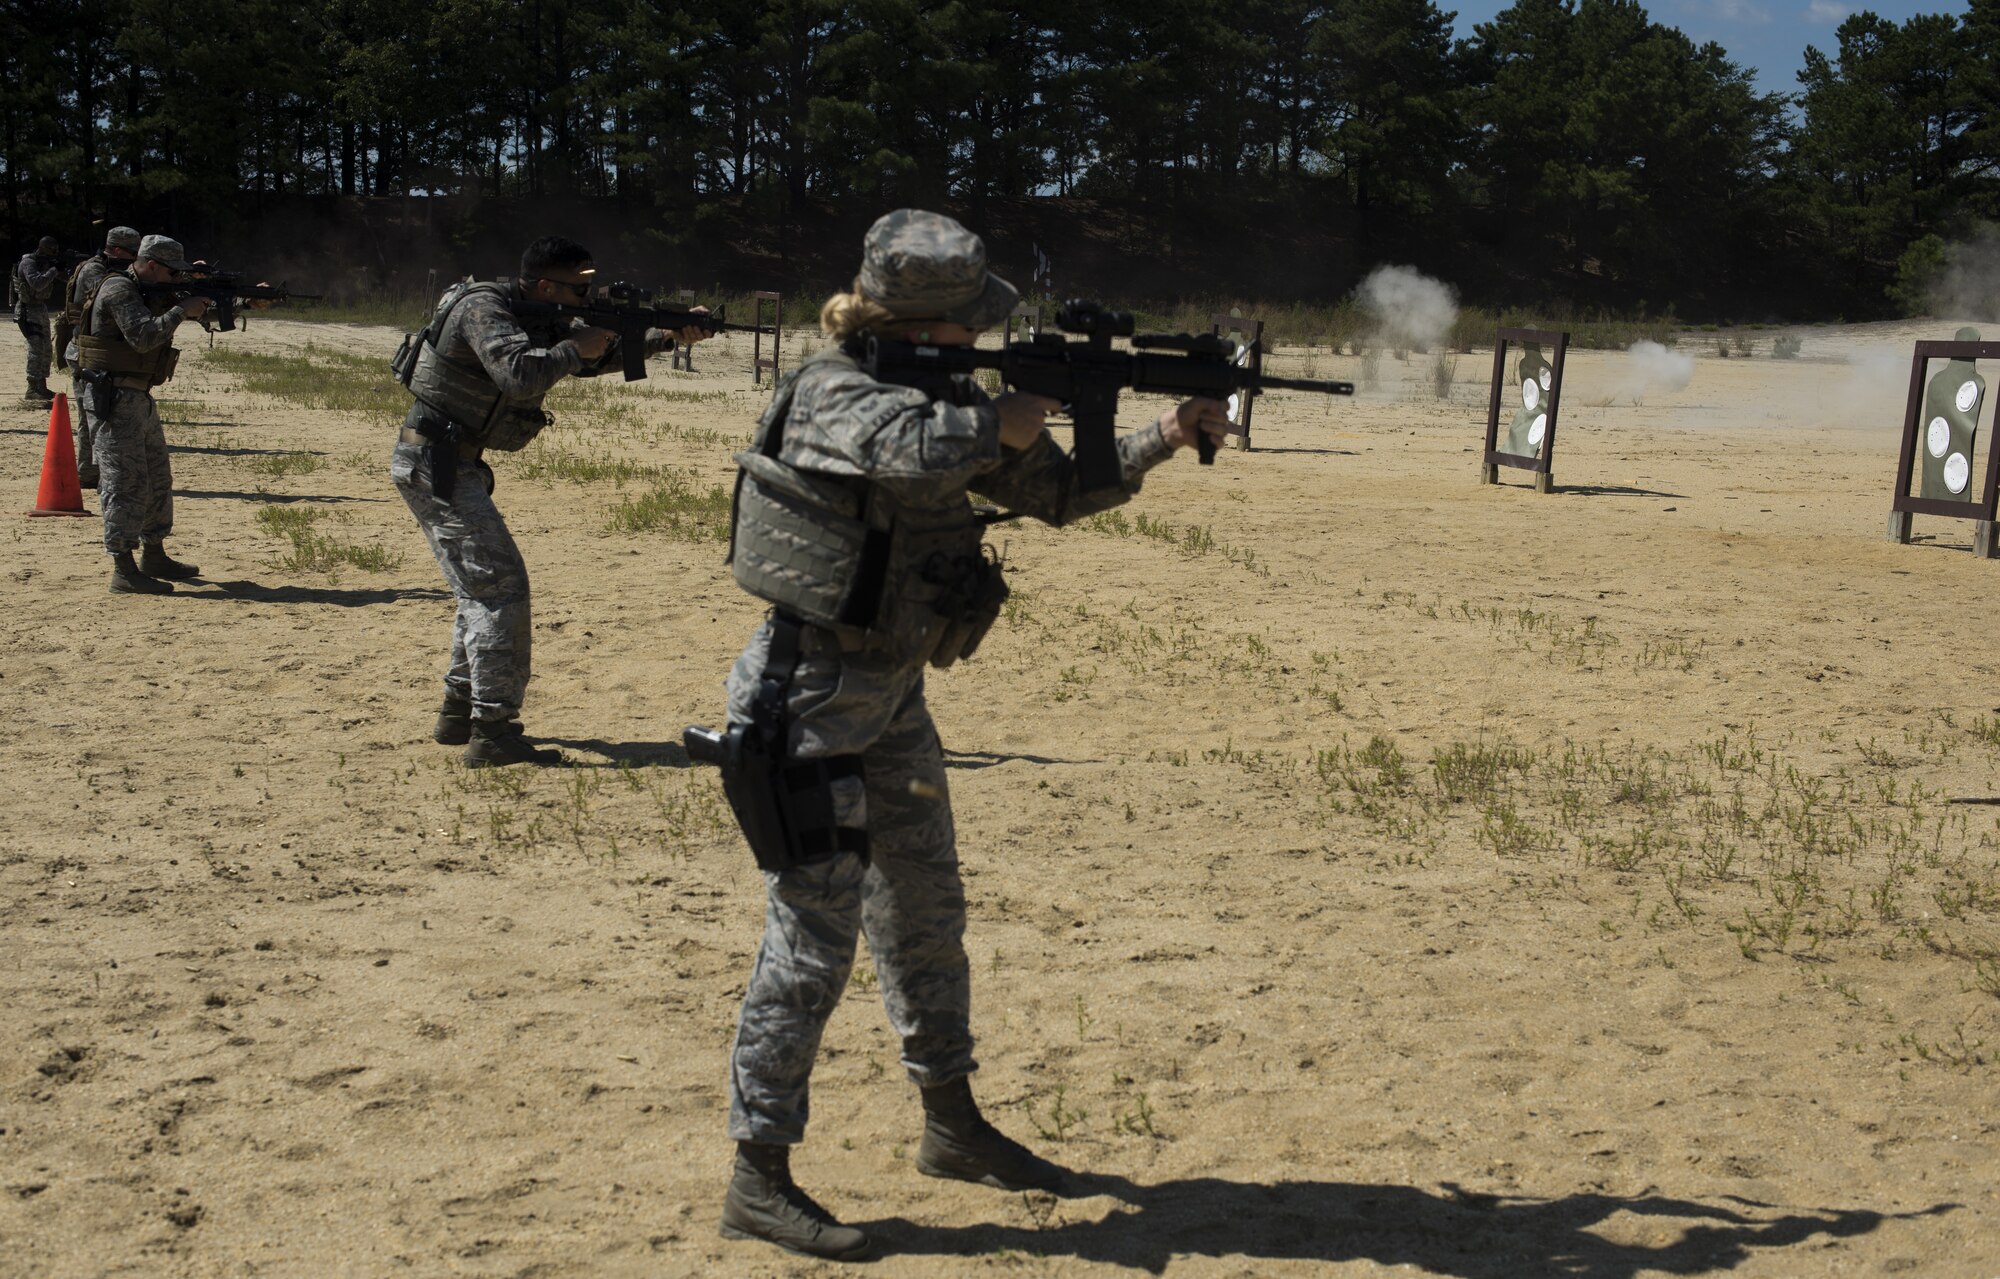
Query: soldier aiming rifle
{"points": [[627, 310], [224, 289]]}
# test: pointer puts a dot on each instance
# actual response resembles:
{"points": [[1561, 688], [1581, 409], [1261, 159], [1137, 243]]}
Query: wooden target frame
{"points": [[1029, 316], [1544, 465], [1978, 509], [1252, 332], [682, 356]]}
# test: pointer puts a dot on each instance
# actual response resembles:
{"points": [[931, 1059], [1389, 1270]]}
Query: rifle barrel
{"points": [[1304, 384]]}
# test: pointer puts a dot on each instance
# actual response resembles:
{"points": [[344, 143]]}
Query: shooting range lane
{"points": [[281, 983]]}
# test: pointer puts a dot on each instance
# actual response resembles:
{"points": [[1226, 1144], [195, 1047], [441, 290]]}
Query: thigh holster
{"points": [[784, 805]]}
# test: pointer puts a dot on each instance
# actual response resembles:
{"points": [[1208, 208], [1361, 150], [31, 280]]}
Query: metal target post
{"points": [[758, 362], [1540, 397], [1928, 423]]}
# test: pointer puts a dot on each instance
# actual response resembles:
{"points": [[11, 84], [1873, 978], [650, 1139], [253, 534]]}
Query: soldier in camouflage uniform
{"points": [[124, 350], [36, 276], [839, 451], [121, 244], [479, 375]]}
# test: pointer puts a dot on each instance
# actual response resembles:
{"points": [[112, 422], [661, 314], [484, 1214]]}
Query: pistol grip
{"points": [[1204, 448]]}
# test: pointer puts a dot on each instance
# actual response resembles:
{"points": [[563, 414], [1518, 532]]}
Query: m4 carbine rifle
{"points": [[223, 289], [1087, 375], [628, 311]]}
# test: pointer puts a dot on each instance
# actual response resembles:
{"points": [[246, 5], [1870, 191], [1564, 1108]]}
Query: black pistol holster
{"points": [[784, 806]]}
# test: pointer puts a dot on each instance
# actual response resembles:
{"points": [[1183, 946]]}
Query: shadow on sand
{"points": [[1611, 490], [258, 593], [231, 450], [1266, 448], [276, 499], [987, 759], [1456, 1232], [620, 754]]}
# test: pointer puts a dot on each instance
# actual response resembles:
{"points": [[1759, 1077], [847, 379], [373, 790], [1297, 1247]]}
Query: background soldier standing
{"points": [[36, 276], [853, 521], [479, 377], [124, 350], [121, 243]]}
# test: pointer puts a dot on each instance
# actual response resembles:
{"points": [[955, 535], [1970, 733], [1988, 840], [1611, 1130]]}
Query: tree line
{"points": [[1568, 148]]}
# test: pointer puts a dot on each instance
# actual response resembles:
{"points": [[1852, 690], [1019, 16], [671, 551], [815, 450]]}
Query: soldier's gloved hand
{"points": [[591, 344], [1182, 425], [194, 307], [1023, 417]]}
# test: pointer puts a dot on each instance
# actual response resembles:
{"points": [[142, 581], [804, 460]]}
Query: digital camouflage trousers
{"points": [[906, 898], [135, 485], [492, 635]]}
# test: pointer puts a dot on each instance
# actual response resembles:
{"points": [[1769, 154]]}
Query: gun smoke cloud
{"points": [[1969, 285], [1411, 311], [1650, 368]]}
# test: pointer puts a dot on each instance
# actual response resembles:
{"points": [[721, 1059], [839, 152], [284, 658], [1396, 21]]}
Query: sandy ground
{"points": [[285, 991]]}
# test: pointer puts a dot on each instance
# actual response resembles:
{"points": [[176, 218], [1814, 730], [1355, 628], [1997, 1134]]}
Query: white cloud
{"points": [[1827, 12], [1744, 11]]}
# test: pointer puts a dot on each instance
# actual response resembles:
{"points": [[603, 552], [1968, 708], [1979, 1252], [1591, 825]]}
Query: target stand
{"points": [[683, 354], [758, 360], [1029, 316], [1530, 442], [1940, 429], [1249, 332]]}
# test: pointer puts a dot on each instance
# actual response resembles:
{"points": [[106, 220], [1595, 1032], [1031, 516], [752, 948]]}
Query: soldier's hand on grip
{"points": [[592, 343], [693, 333], [194, 306], [1183, 425], [1023, 417]]}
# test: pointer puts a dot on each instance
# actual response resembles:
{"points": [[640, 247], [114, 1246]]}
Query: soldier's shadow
{"points": [[1611, 490], [258, 593], [1456, 1232], [230, 450], [987, 759], [621, 754], [273, 498]]}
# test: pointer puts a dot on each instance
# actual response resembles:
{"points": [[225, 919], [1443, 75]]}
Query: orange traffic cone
{"points": [[59, 493]]}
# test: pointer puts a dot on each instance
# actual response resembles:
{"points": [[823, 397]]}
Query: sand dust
{"points": [[285, 991]]}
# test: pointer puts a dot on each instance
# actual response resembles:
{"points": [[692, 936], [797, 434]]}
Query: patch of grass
{"points": [[316, 552], [317, 377], [549, 462], [280, 465], [1191, 540], [677, 506]]}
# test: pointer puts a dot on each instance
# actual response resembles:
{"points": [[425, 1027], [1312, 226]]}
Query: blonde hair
{"points": [[846, 315]]}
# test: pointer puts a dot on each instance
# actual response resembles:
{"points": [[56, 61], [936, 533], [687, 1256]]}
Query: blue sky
{"points": [[1767, 36]]}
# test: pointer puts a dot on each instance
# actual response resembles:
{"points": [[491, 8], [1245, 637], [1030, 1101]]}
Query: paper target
{"points": [[1956, 472], [1938, 437], [1546, 378], [1537, 429], [1968, 395], [1235, 404], [1531, 395]]}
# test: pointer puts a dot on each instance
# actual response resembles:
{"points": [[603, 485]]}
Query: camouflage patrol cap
{"points": [[122, 237], [925, 266], [168, 253]]}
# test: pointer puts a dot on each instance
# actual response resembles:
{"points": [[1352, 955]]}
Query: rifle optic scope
{"points": [[1091, 319]]}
